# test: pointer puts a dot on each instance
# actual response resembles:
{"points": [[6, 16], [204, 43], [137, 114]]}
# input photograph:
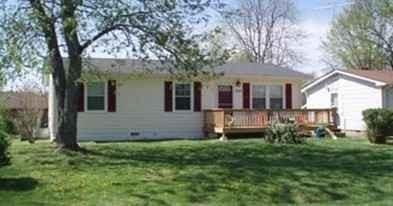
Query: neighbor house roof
{"points": [[385, 76], [125, 66], [23, 100], [378, 77]]}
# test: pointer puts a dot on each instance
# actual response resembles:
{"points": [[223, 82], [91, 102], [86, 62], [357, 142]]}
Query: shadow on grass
{"points": [[18, 184], [244, 172], [283, 173]]}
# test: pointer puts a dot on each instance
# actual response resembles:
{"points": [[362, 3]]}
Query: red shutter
{"points": [[246, 95], [197, 96], [81, 97], [168, 97], [288, 96], [112, 96]]}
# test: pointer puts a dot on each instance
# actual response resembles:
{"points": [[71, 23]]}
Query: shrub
{"points": [[8, 125], [379, 124], [4, 143], [284, 133]]}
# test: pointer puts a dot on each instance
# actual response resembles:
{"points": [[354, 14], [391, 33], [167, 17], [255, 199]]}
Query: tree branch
{"points": [[99, 35]]}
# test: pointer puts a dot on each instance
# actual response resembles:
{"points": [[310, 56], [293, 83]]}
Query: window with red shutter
{"points": [[168, 100], [81, 97], [197, 96], [288, 96], [246, 95], [112, 96]]}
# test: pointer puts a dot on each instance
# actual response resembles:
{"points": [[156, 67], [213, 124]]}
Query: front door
{"points": [[225, 97]]}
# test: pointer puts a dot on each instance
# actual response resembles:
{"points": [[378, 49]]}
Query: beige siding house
{"points": [[155, 106], [351, 92]]}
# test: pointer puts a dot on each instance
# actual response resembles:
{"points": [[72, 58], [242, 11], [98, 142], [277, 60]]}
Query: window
{"points": [[276, 99], [333, 99], [182, 96], [259, 97], [96, 96]]}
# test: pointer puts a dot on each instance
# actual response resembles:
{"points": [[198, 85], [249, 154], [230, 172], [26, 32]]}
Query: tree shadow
{"points": [[319, 173], [18, 184]]}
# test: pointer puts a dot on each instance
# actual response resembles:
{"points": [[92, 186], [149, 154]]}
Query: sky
{"points": [[315, 17], [315, 20]]}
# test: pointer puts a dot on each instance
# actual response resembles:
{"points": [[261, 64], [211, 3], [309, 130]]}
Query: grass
{"points": [[240, 172]]}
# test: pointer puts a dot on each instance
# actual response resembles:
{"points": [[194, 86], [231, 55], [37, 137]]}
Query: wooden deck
{"points": [[225, 121]]}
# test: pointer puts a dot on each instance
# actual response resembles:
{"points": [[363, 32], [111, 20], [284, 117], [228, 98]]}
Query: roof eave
{"points": [[329, 74]]}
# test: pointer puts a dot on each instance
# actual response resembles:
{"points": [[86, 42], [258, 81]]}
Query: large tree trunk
{"points": [[67, 128], [68, 114], [64, 82]]}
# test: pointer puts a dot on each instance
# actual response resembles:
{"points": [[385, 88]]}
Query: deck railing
{"points": [[250, 118]]}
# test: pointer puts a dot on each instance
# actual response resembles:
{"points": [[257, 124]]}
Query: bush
{"points": [[8, 125], [284, 133], [379, 124], [4, 143]]}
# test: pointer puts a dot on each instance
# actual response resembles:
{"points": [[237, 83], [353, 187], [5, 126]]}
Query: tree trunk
{"points": [[68, 115], [67, 119]]}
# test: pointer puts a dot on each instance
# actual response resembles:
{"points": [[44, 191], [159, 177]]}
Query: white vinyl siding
{"points": [[353, 97], [140, 115], [388, 97]]}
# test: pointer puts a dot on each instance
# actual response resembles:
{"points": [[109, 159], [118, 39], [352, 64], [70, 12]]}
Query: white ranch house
{"points": [[155, 106], [351, 92]]}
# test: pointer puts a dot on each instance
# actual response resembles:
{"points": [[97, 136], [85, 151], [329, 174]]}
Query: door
{"points": [[225, 96]]}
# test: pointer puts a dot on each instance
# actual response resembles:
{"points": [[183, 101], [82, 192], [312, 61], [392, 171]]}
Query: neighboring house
{"points": [[156, 106], [351, 92], [16, 103]]}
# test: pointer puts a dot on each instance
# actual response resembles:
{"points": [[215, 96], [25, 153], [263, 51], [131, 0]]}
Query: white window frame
{"points": [[191, 97], [282, 92], [267, 94], [252, 95], [105, 98]]}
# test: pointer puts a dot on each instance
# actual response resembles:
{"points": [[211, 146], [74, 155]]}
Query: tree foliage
{"points": [[361, 36], [266, 30], [39, 33]]}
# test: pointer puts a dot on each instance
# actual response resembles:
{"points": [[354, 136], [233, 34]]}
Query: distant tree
{"points": [[40, 32], [27, 119], [361, 36], [266, 30]]}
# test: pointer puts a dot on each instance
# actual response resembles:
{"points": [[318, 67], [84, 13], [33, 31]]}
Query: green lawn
{"points": [[239, 172]]}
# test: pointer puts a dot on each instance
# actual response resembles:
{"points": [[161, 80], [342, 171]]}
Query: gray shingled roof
{"points": [[132, 65], [260, 69]]}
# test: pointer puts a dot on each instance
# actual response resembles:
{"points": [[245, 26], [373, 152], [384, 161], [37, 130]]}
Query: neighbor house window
{"points": [[276, 97], [334, 100], [259, 97], [182, 96], [96, 96]]}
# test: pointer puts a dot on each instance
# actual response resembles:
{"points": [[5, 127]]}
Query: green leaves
{"points": [[282, 133], [361, 36], [379, 124]]}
